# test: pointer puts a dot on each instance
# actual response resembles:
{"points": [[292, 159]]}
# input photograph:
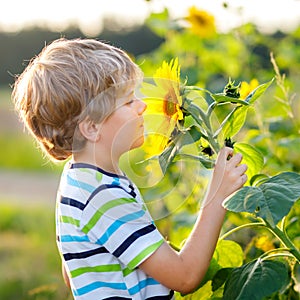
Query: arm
{"points": [[65, 276], [183, 271]]}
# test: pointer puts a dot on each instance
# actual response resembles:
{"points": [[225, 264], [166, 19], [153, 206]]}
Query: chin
{"points": [[138, 143]]}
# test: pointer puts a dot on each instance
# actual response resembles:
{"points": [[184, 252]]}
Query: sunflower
{"points": [[202, 23], [264, 243], [164, 103], [247, 88]]}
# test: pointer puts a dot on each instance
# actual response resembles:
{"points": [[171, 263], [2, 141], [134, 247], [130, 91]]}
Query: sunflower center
{"points": [[200, 20], [169, 106]]}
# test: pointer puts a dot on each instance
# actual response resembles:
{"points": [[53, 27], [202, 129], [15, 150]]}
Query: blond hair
{"points": [[69, 81]]}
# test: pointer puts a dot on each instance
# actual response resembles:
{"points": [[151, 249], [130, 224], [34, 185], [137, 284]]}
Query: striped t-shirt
{"points": [[104, 231]]}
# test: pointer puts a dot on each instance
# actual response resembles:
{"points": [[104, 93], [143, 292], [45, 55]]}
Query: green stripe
{"points": [[70, 220], [99, 176], [103, 268], [103, 209], [150, 249], [127, 271], [85, 170]]}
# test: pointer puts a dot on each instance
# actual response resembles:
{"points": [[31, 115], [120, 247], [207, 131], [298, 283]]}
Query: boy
{"points": [[77, 99]]}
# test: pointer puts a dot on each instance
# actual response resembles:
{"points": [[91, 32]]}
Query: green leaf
{"points": [[256, 280], [206, 162], [256, 93], [296, 277], [220, 278], [194, 111], [221, 98], [257, 179], [204, 293], [167, 156], [271, 200], [189, 136], [251, 157], [235, 121], [228, 254]]}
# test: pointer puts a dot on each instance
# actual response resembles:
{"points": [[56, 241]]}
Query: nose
{"points": [[142, 106]]}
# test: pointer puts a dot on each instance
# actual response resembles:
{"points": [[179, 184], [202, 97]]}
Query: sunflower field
{"points": [[204, 90]]}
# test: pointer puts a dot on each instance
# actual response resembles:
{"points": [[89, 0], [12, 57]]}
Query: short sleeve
{"points": [[122, 225]]}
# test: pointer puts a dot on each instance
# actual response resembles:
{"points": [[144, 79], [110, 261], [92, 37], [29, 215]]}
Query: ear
{"points": [[90, 130]]}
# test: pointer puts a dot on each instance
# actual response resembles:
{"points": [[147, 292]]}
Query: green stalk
{"points": [[208, 163], [201, 114], [224, 122], [280, 234], [210, 109], [197, 112], [275, 253], [258, 224], [284, 240]]}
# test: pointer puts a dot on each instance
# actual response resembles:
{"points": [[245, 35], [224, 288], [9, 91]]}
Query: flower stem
{"points": [[282, 236], [224, 122], [276, 252], [200, 117], [257, 224], [210, 109]]}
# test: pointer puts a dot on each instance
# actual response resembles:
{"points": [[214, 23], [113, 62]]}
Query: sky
{"points": [[269, 15]]}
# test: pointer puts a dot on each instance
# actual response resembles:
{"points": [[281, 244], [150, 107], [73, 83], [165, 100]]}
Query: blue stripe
{"points": [[85, 254], [117, 224], [74, 238], [105, 187], [72, 202], [88, 166], [129, 241], [117, 298], [116, 181], [99, 284], [80, 184], [142, 284]]}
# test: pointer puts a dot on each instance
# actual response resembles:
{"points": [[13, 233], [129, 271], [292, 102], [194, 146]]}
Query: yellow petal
{"points": [[163, 106]]}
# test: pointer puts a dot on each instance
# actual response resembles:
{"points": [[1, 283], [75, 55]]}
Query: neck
{"points": [[99, 157]]}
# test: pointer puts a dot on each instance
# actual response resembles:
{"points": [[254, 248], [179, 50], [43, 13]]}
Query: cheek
{"points": [[120, 129], [126, 125]]}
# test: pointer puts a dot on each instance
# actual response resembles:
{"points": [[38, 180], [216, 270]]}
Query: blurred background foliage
{"points": [[29, 260]]}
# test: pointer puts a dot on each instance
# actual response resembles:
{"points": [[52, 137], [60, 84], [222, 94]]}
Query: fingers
{"points": [[235, 159], [224, 154], [241, 169], [229, 174], [235, 171], [244, 178]]}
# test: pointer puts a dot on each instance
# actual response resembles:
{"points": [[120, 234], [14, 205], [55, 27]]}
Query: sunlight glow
{"points": [[89, 14]]}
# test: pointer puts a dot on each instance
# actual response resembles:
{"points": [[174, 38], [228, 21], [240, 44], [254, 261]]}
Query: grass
{"points": [[29, 260], [30, 263], [20, 152]]}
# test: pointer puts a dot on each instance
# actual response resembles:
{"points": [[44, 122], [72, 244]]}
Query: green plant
{"points": [[266, 200]]}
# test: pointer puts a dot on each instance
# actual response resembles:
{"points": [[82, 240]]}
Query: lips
{"points": [[142, 122]]}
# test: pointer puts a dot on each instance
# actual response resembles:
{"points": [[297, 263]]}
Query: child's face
{"points": [[123, 130]]}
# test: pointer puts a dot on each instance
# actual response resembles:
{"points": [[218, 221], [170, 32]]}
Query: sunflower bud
{"points": [[232, 90], [229, 143]]}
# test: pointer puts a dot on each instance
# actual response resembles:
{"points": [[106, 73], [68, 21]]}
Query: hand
{"points": [[228, 176], [184, 270]]}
